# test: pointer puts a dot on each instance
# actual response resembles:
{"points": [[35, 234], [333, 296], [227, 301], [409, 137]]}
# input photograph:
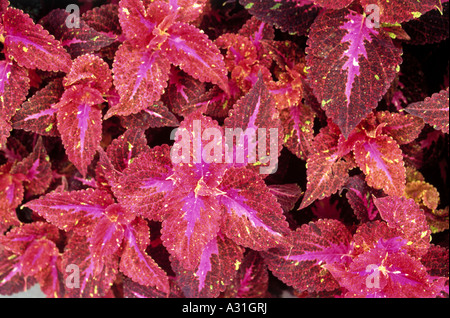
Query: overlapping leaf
{"points": [[257, 126], [37, 114], [14, 85], [406, 216], [346, 60], [77, 40], [401, 11], [289, 16], [299, 264], [155, 39], [382, 162], [433, 110], [31, 45], [327, 168], [214, 272]]}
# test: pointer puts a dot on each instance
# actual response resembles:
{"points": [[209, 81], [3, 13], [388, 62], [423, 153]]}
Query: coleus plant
{"points": [[101, 197]]}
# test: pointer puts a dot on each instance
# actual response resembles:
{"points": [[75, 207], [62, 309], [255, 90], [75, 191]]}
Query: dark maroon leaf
{"points": [[350, 66]]}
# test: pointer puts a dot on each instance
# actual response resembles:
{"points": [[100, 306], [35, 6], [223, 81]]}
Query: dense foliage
{"points": [[101, 197]]}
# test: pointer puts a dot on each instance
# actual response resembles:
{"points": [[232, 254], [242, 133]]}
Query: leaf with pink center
{"points": [[191, 221], [433, 110], [37, 114], [327, 169], [406, 216], [31, 45], [76, 211], [252, 217], [350, 66], [379, 274], [214, 272], [381, 160], [375, 234], [136, 24], [145, 183], [80, 124], [140, 76], [191, 50], [255, 122], [198, 154], [33, 254], [106, 238], [82, 281], [300, 263], [77, 40], [404, 128], [136, 263]]}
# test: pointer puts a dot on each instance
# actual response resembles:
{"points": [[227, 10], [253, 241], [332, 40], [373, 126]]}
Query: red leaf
{"points": [[188, 10], [251, 279], [37, 114], [327, 170], [432, 27], [125, 148], [11, 195], [404, 128], [360, 197], [80, 124], [79, 271], [252, 217], [191, 50], [135, 262], [350, 66], [32, 46], [378, 273], [14, 85], [140, 76], [381, 160], [37, 170], [73, 211], [289, 16], [145, 183], [104, 19], [287, 195], [433, 110], [298, 264], [156, 115], [107, 235], [89, 70], [77, 40], [333, 4], [401, 11], [405, 216], [138, 23], [191, 222], [255, 115], [216, 270], [298, 123]]}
